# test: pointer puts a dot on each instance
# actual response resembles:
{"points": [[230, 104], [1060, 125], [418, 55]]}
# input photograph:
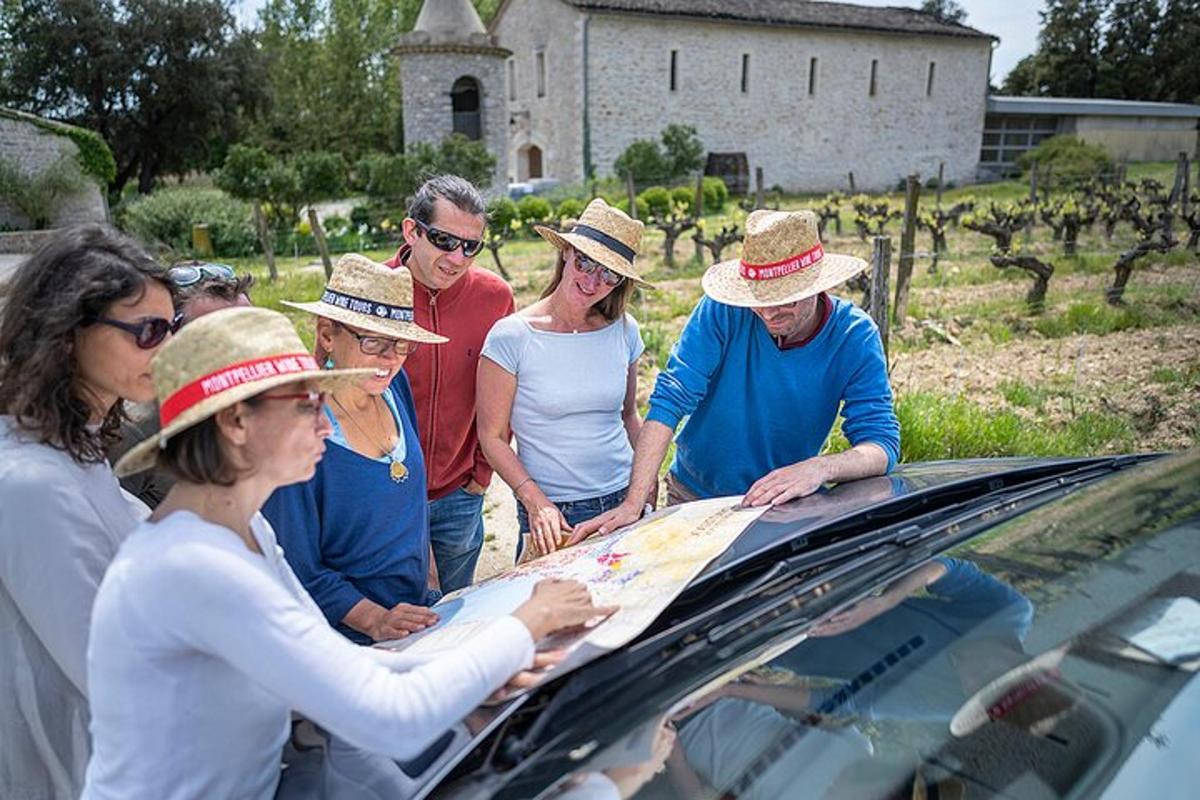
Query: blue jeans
{"points": [[574, 511], [456, 531]]}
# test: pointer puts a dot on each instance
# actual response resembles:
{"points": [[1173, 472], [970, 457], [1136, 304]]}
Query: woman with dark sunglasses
{"points": [[83, 318], [357, 533], [562, 375]]}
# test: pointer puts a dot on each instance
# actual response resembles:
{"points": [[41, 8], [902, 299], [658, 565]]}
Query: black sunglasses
{"points": [[448, 242], [587, 265], [150, 332], [189, 274]]}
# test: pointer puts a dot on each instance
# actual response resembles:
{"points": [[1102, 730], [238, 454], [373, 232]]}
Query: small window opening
{"points": [[674, 70], [812, 76], [745, 72], [929, 80], [540, 58], [874, 70]]}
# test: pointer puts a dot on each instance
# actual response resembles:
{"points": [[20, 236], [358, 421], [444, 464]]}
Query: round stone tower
{"points": [[452, 78]]}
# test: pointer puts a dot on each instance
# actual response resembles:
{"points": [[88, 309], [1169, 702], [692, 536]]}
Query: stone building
{"points": [[31, 144], [807, 90], [452, 80]]}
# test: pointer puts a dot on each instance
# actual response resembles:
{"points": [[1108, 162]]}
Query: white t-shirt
{"points": [[60, 525], [566, 413], [201, 648]]}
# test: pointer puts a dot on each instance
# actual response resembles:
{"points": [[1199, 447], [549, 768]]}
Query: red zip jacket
{"points": [[443, 375]]}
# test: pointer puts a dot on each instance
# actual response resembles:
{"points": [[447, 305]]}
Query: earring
{"points": [[328, 363]]}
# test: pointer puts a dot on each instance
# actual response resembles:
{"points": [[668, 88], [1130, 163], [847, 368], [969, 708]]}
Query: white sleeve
{"points": [[505, 343], [634, 345], [54, 550], [252, 622]]}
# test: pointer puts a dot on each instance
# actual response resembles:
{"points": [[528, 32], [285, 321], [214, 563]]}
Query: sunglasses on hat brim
{"points": [[448, 242]]}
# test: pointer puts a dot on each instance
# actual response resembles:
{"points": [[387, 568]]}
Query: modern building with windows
{"points": [[1130, 130], [809, 91]]}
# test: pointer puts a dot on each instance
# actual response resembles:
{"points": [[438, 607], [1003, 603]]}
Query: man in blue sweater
{"points": [[757, 379]]}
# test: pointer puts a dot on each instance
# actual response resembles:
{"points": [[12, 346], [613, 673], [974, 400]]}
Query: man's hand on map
{"points": [[783, 484], [557, 605], [400, 621], [625, 514]]}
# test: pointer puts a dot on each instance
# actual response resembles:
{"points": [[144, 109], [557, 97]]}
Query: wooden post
{"points": [[881, 264], [202, 240], [852, 189], [1033, 187], [264, 238], [319, 236], [1181, 172], [912, 193], [758, 188], [632, 195], [698, 213], [941, 175]]}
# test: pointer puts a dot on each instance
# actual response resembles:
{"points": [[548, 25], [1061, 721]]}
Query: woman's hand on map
{"points": [[399, 621], [543, 662], [625, 514], [548, 528], [557, 605]]}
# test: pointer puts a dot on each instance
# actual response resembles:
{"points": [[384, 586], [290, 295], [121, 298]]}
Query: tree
{"points": [[1069, 47], [160, 80], [945, 10], [1127, 68], [1177, 52], [644, 160], [1021, 80], [683, 150]]}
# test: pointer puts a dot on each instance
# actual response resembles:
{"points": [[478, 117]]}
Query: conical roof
{"points": [[449, 18]]}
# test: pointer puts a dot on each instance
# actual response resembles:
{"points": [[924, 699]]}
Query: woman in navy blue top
{"points": [[357, 533]]}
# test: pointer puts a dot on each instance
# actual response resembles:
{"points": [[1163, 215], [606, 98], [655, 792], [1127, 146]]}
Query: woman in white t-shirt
{"points": [[82, 318], [562, 376], [203, 641]]}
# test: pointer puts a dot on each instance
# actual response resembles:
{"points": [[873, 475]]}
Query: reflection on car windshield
{"points": [[1030, 660]]}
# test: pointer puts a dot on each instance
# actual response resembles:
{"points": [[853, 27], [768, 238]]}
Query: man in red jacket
{"points": [[442, 235]]}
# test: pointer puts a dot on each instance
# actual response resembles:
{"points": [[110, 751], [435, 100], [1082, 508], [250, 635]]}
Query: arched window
{"points": [[464, 102]]}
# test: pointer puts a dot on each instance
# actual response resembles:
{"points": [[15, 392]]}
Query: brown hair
{"points": [[612, 307], [66, 285], [195, 455]]}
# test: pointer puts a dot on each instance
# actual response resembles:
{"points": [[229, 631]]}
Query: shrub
{"points": [[167, 216], [394, 178], [657, 200], [534, 209], [643, 211], [36, 196], [644, 160], [1071, 160], [683, 150], [569, 208], [716, 194], [503, 216], [684, 196]]}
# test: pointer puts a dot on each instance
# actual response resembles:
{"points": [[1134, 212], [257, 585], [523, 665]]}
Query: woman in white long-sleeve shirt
{"points": [[81, 320], [202, 639]]}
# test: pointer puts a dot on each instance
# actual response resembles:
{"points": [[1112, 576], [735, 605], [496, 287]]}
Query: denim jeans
{"points": [[456, 530], [575, 512]]}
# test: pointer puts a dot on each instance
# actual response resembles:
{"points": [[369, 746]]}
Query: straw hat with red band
{"points": [[782, 261], [371, 297], [1033, 695], [605, 234], [220, 359]]}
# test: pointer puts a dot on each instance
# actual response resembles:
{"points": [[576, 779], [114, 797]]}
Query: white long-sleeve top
{"points": [[60, 525], [200, 648]]}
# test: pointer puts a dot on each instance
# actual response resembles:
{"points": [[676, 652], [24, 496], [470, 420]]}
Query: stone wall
{"points": [[33, 149], [803, 142], [1141, 138], [426, 79], [553, 123]]}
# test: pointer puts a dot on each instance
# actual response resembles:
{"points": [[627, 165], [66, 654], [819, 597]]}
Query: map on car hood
{"points": [[640, 568]]}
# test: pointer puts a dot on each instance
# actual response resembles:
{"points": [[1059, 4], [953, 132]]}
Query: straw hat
{"points": [[604, 234], [782, 262], [1033, 695], [372, 297], [220, 359]]}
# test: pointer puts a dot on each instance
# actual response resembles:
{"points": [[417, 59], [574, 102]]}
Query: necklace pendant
{"points": [[398, 471]]}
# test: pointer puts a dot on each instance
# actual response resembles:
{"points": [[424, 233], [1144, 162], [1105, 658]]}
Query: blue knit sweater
{"points": [[755, 407], [351, 532]]}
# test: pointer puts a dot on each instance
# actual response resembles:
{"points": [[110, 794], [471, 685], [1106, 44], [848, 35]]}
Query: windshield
{"points": [[1030, 660]]}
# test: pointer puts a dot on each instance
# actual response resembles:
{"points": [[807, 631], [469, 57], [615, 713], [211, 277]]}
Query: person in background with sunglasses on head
{"points": [[442, 235], [200, 288], [85, 314], [562, 374], [357, 533]]}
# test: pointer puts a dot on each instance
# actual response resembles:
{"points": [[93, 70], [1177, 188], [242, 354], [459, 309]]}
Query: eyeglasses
{"points": [[448, 242], [380, 345], [315, 400], [588, 265], [149, 333], [189, 274]]}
